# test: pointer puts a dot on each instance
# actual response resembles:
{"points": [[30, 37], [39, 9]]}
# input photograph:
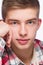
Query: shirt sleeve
{"points": [[2, 45]]}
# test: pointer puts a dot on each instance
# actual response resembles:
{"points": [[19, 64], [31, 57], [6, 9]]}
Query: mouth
{"points": [[22, 41]]}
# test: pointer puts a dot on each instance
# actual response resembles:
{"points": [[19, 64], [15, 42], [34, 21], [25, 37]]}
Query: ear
{"points": [[39, 23]]}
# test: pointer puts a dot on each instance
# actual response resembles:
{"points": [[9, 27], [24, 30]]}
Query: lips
{"points": [[23, 41]]}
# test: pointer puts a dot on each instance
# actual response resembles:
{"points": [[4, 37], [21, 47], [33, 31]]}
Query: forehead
{"points": [[22, 14]]}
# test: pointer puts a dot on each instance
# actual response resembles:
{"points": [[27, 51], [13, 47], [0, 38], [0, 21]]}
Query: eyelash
{"points": [[28, 22], [31, 22], [15, 22]]}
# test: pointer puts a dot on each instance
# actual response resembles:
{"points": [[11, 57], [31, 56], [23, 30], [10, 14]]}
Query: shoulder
{"points": [[39, 45]]}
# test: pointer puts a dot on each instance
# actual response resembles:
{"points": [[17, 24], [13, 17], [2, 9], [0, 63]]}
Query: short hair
{"points": [[9, 4]]}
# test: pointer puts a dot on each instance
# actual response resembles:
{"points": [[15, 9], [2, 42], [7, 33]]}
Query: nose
{"points": [[23, 31]]}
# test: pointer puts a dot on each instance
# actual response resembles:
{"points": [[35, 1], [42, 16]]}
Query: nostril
{"points": [[23, 34]]}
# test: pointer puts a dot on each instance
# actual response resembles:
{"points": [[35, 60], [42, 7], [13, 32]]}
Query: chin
{"points": [[23, 47]]}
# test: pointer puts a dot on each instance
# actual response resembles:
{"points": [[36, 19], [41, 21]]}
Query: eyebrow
{"points": [[13, 20], [32, 19], [19, 20]]}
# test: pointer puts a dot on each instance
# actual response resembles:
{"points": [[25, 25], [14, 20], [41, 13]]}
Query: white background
{"points": [[40, 31]]}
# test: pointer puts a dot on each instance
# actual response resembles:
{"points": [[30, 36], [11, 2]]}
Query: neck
{"points": [[24, 55]]}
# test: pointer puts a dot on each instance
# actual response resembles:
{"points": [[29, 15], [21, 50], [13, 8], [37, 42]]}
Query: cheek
{"points": [[32, 32], [14, 31]]}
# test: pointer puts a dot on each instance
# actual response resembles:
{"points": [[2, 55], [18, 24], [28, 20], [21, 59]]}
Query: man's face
{"points": [[24, 25]]}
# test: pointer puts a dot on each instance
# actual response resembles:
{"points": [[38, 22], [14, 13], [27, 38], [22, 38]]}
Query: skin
{"points": [[24, 24]]}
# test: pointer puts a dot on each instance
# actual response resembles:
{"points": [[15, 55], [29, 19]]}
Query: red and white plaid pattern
{"points": [[7, 57]]}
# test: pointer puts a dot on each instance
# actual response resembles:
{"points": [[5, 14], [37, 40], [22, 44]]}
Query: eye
{"points": [[14, 22], [29, 22]]}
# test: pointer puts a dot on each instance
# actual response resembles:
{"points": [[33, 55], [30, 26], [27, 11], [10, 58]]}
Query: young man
{"points": [[18, 29]]}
